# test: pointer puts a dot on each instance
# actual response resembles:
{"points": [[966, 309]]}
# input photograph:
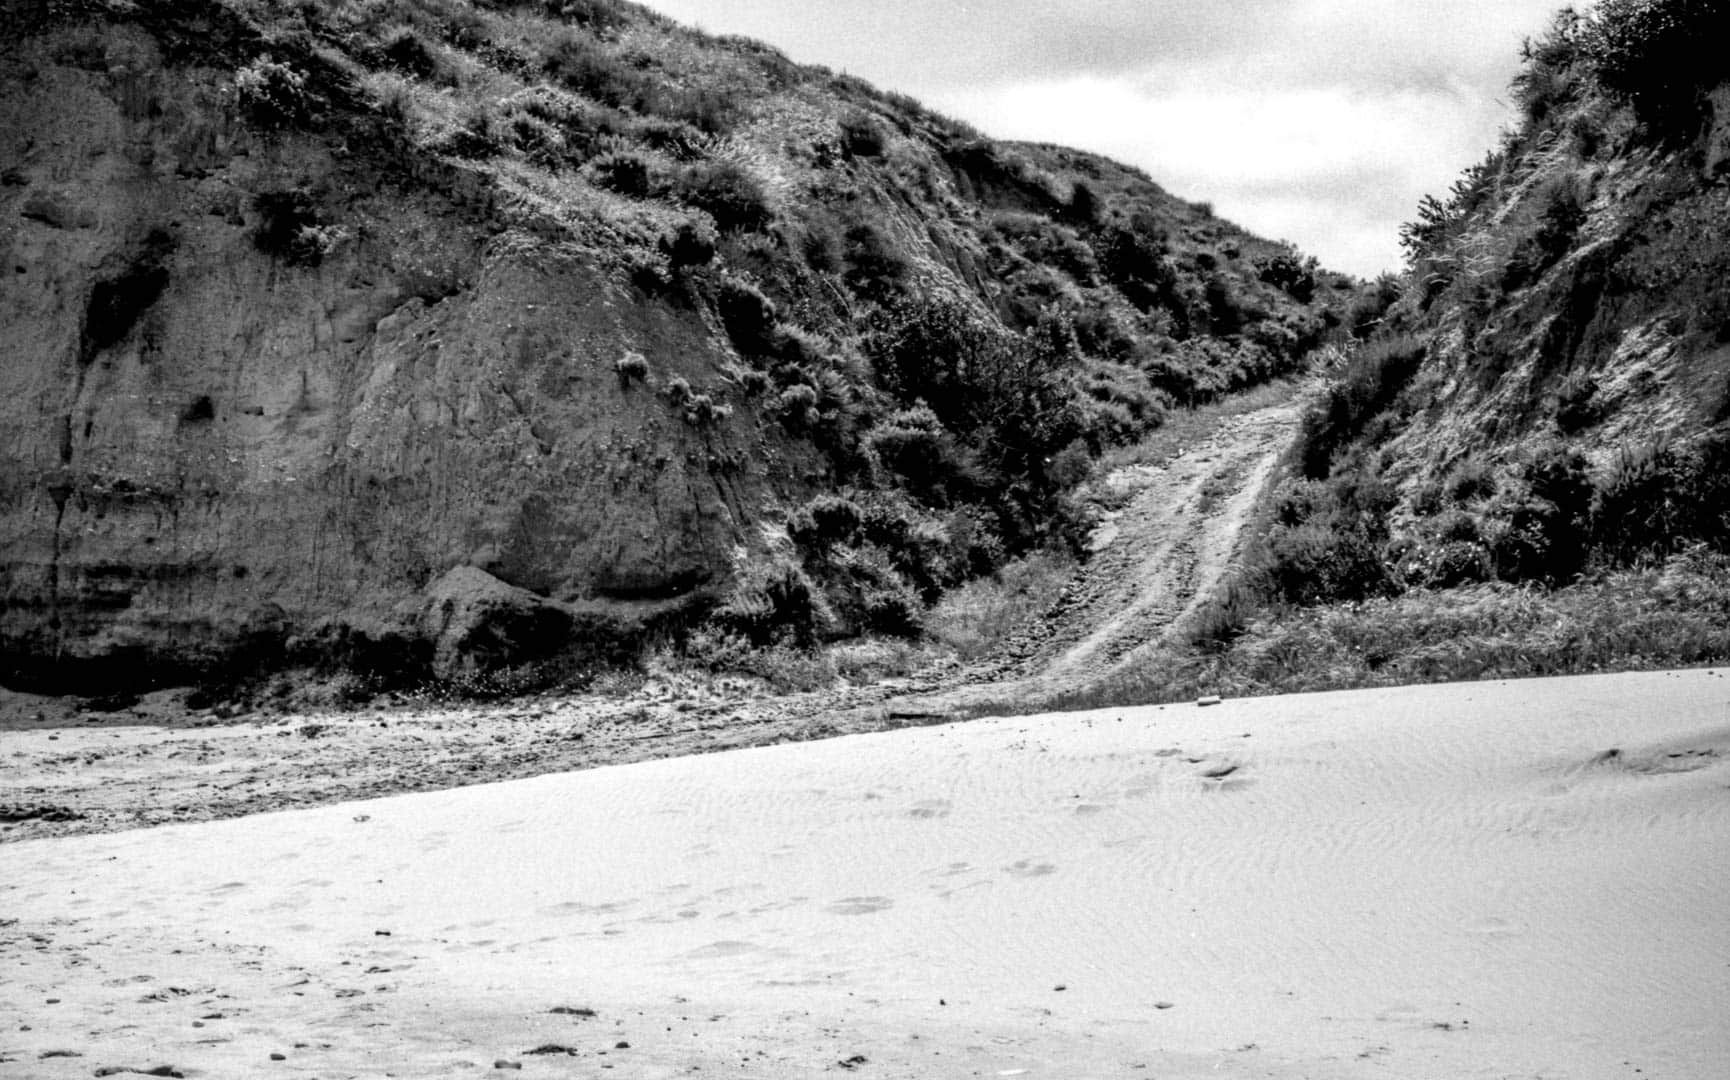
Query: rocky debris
{"points": [[15, 812], [474, 622]]}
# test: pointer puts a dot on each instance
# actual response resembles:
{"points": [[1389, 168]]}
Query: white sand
{"points": [[1425, 882]]}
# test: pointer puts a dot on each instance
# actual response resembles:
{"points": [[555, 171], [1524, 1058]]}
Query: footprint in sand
{"points": [[720, 950], [1656, 764], [1494, 926], [860, 905]]}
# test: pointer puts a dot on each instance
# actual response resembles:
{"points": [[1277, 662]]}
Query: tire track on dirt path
{"points": [[1154, 564]]}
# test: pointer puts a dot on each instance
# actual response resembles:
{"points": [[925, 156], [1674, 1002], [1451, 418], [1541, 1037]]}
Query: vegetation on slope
{"points": [[1525, 467], [959, 326], [936, 333]]}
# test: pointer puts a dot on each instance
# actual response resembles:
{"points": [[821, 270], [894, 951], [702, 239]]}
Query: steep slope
{"points": [[307, 308], [1551, 392]]}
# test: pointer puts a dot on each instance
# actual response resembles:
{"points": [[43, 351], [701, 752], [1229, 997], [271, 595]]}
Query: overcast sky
{"points": [[1322, 122]]}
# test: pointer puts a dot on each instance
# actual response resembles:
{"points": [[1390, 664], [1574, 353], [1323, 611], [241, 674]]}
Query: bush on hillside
{"points": [[748, 317], [774, 603], [1660, 55], [1375, 375], [872, 266], [292, 227], [624, 174], [1548, 80], [690, 245], [1292, 274], [272, 95], [861, 136], [920, 452], [730, 193], [1328, 540]]}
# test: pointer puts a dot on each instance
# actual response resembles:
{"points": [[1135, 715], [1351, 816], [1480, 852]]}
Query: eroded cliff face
{"points": [[308, 307], [208, 447]]}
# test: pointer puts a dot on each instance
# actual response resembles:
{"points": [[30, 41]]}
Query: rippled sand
{"points": [[1486, 880]]}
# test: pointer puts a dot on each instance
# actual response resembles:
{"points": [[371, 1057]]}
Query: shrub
{"points": [[273, 95], [978, 616], [944, 352], [1637, 507], [702, 410], [914, 445], [631, 367], [861, 136], [797, 407], [825, 521], [747, 316], [873, 268], [477, 134], [582, 64], [1470, 479], [406, 52], [1547, 80], [677, 391], [623, 173], [773, 603], [1373, 378], [1543, 518], [540, 142], [753, 383], [1291, 274], [691, 244], [1084, 205], [1560, 219], [1327, 540], [292, 228], [1370, 304], [729, 192], [1134, 260], [1660, 55]]}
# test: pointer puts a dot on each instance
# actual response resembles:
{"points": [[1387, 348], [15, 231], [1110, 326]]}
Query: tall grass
{"points": [[1671, 614]]}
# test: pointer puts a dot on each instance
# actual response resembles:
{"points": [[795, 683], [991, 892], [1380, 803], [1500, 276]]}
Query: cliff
{"points": [[305, 309], [1547, 393]]}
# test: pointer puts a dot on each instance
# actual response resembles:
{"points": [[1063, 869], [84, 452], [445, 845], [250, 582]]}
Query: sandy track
{"points": [[1154, 562], [1477, 881], [1166, 551]]}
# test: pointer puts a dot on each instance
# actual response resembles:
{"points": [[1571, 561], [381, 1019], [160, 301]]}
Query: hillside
{"points": [[1523, 468], [421, 340]]}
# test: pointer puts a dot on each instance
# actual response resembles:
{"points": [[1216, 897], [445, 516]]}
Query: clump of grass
{"points": [[980, 615], [1672, 614], [632, 367]]}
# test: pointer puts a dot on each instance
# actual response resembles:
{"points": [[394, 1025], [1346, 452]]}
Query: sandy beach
{"points": [[1479, 880]]}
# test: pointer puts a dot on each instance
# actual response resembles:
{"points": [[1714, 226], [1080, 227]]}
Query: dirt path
{"points": [[1155, 560]]}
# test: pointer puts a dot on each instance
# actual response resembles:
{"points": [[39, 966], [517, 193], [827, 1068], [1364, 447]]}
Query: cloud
{"points": [[1331, 169], [1318, 121]]}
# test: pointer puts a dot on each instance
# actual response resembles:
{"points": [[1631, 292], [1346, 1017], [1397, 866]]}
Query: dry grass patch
{"points": [[980, 615], [1667, 615]]}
